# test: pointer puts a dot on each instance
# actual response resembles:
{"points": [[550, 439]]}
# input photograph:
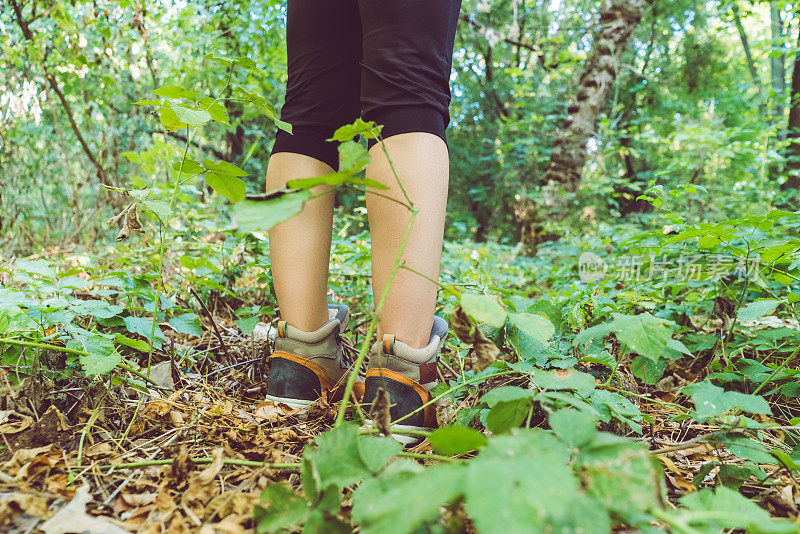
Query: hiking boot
{"points": [[306, 365], [408, 375]]}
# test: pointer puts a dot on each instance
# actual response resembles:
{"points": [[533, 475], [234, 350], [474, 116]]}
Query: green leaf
{"points": [[247, 324], [451, 440], [729, 510], [340, 460], [261, 215], [191, 115], [643, 333], [136, 344], [505, 394], [147, 103], [223, 167], [40, 267], [143, 326], [187, 323], [574, 427], [505, 489], [160, 209], [353, 157], [756, 309], [230, 187], [593, 332], [175, 92], [283, 509], [484, 309], [359, 127], [216, 110], [582, 383], [405, 498], [376, 451], [102, 357], [507, 415], [647, 370], [710, 400], [188, 166], [535, 326], [169, 119]]}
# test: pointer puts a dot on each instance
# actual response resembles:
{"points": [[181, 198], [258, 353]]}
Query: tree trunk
{"points": [[777, 64], [793, 130], [618, 20], [751, 64]]}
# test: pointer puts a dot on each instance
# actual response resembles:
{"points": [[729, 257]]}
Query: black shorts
{"points": [[387, 61]]}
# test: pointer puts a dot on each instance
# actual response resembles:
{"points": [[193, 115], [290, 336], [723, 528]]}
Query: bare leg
{"points": [[421, 161], [300, 247]]}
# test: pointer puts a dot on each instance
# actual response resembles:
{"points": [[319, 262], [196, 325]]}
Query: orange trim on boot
{"points": [[424, 394], [325, 382]]}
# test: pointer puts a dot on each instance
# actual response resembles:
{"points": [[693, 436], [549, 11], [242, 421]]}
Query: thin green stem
{"points": [[204, 460], [362, 353], [419, 456], [394, 171], [88, 425], [648, 399], [776, 371]]}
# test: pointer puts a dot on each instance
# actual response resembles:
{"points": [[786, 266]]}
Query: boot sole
{"points": [[406, 441], [294, 404]]}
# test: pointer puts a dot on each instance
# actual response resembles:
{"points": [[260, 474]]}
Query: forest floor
{"points": [[194, 454]]}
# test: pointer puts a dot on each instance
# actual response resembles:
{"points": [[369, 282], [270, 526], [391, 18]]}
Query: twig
{"points": [[213, 323]]}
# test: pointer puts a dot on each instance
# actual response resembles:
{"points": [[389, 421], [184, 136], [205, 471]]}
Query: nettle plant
{"points": [[79, 321]]}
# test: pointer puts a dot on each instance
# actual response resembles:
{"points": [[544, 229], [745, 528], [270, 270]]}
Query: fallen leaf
{"points": [[73, 518]]}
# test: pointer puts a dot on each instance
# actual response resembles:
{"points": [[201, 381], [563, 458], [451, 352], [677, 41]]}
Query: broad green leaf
{"points": [[223, 167], [593, 332], [484, 309], [505, 490], [188, 166], [337, 458], [725, 508], [505, 394], [505, 415], [643, 333], [710, 400], [147, 103], [647, 370], [160, 209], [610, 404], [247, 324], [405, 498], [230, 187], [169, 119], [622, 473], [99, 309], [136, 344], [216, 111], [187, 323], [143, 326], [376, 451], [359, 127], [450, 440], [334, 179], [102, 357], [574, 427], [261, 215], [281, 509], [536, 326], [582, 383], [191, 116], [756, 309], [353, 157], [40, 267], [174, 91]]}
